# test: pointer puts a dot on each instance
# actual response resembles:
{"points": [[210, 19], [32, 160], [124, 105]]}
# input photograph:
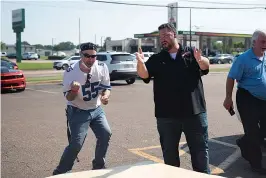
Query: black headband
{"points": [[88, 46]]}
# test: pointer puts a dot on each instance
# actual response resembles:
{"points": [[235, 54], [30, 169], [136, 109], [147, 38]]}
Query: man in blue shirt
{"points": [[249, 70]]}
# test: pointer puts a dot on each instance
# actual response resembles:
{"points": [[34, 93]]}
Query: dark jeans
{"points": [[79, 122], [253, 116], [196, 132]]}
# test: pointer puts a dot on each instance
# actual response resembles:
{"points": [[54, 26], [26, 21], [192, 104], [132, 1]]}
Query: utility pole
{"points": [[79, 31], [190, 35], [52, 46], [102, 41], [172, 20]]}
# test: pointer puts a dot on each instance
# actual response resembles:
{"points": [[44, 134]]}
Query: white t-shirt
{"points": [[173, 55], [88, 95]]}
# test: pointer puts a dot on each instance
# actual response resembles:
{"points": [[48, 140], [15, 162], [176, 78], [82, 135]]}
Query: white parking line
{"points": [[44, 91], [227, 162], [223, 143]]}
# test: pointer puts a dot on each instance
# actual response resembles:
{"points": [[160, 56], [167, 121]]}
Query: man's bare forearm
{"points": [[229, 87], [70, 96], [142, 70], [204, 63]]}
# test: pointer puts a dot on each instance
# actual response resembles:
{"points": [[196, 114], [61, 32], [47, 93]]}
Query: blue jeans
{"points": [[79, 122], [196, 132]]}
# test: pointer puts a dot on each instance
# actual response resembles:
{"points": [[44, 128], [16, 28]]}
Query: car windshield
{"points": [[66, 58], [6, 64], [123, 57]]}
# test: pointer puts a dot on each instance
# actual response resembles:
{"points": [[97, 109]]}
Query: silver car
{"points": [[30, 56], [66, 62], [222, 59]]}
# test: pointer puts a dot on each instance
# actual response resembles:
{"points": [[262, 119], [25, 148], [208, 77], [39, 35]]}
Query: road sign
{"points": [[18, 20], [186, 32], [138, 35], [18, 25]]}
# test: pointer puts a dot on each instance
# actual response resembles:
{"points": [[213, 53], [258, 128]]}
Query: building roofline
{"points": [[156, 33]]}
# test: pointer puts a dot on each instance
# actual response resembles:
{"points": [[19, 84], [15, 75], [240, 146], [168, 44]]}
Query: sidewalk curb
{"points": [[60, 81], [46, 82]]}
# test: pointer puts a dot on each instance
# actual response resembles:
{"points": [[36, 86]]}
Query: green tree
{"points": [[64, 46], [39, 46], [3, 46], [104, 44]]}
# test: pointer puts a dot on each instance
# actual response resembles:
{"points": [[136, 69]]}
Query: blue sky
{"points": [[59, 19]]}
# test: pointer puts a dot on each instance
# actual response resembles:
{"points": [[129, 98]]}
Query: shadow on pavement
{"points": [[226, 159], [10, 91], [119, 84], [239, 168]]}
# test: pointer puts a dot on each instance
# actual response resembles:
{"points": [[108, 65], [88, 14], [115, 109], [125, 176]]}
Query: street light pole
{"points": [[79, 31], [52, 46], [190, 35], [102, 41]]}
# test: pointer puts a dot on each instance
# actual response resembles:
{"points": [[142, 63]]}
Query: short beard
{"points": [[168, 47]]}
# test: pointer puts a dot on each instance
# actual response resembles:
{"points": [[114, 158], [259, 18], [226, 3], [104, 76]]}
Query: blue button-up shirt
{"points": [[250, 73]]}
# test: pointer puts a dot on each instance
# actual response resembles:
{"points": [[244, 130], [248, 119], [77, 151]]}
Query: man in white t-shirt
{"points": [[86, 84]]}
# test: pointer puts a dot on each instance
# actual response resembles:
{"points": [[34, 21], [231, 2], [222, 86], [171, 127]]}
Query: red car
{"points": [[11, 78], [15, 66]]}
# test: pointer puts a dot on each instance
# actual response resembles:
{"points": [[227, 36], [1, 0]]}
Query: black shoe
{"points": [[56, 172], [238, 142], [261, 171], [243, 154], [96, 168]]}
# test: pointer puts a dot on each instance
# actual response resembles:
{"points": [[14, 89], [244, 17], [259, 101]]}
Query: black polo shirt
{"points": [[177, 84]]}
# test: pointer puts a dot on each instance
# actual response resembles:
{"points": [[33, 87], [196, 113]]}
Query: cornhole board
{"points": [[152, 170]]}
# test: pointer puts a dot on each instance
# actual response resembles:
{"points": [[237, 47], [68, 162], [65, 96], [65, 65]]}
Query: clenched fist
{"points": [[104, 99], [75, 86]]}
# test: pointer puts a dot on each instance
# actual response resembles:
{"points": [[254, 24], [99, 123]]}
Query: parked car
{"points": [[222, 59], [15, 66], [30, 56], [11, 55], [3, 54], [65, 62], [121, 65], [147, 55], [11, 78]]}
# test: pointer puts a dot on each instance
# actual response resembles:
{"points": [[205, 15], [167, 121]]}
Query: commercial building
{"points": [[206, 41]]}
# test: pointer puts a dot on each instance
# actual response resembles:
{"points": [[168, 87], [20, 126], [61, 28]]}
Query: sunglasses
{"points": [[88, 55]]}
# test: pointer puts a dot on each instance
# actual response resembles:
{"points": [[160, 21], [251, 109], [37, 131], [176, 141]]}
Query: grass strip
{"points": [[35, 66]]}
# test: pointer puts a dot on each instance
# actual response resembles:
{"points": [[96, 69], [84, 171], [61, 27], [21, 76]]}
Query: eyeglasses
{"points": [[88, 55]]}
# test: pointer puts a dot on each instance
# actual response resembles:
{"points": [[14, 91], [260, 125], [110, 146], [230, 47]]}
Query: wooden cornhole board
{"points": [[140, 170]]}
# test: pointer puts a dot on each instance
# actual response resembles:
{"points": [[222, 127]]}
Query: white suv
{"points": [[30, 56], [66, 62], [121, 65], [147, 55]]}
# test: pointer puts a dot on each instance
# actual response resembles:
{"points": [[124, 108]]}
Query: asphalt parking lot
{"points": [[34, 131]]}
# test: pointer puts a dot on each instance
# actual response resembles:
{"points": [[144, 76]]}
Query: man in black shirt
{"points": [[179, 98]]}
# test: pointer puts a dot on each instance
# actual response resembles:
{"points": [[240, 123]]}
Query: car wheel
{"points": [[219, 62], [65, 67], [130, 81], [230, 62], [58, 68]]}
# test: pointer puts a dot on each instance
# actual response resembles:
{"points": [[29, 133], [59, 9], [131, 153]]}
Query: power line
{"points": [[26, 3], [225, 3], [179, 7]]}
